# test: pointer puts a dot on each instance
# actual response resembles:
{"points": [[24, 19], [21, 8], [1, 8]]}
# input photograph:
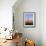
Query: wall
{"points": [[28, 6], [43, 22], [6, 13], [6, 16]]}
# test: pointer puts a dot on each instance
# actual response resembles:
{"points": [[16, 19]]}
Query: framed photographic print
{"points": [[29, 19]]}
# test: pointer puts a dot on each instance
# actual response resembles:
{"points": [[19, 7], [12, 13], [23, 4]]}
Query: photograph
{"points": [[29, 19]]}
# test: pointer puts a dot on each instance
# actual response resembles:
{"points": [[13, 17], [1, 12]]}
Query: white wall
{"points": [[6, 13], [43, 22], [6, 16], [28, 6]]}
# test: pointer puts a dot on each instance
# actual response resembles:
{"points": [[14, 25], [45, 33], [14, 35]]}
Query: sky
{"points": [[28, 16]]}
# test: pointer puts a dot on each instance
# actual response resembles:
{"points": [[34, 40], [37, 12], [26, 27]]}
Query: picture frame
{"points": [[29, 19]]}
